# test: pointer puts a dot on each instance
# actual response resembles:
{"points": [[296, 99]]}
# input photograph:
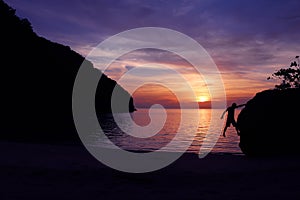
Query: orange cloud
{"points": [[149, 94]]}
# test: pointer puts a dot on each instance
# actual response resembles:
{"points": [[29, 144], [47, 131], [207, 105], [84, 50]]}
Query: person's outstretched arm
{"points": [[223, 114], [241, 105]]}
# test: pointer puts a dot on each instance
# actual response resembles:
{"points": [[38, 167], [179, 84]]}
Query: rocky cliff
{"points": [[37, 78]]}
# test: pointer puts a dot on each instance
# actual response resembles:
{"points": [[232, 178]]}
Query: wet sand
{"points": [[43, 171]]}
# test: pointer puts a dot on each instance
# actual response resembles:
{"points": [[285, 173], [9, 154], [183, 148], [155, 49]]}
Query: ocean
{"points": [[179, 131]]}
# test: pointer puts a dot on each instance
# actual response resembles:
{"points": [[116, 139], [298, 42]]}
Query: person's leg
{"points": [[225, 131], [236, 127], [237, 131], [226, 126]]}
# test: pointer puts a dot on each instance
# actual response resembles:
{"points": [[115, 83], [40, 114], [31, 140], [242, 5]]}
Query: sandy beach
{"points": [[44, 171]]}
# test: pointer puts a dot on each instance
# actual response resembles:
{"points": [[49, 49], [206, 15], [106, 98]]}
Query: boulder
{"points": [[270, 123]]}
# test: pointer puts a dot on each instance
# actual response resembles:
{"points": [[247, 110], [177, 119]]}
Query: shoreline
{"points": [[79, 144]]}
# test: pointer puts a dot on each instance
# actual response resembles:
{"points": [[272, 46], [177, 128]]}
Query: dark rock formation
{"points": [[37, 78], [269, 124]]}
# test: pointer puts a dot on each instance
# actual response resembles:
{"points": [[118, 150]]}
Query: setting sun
{"points": [[202, 98]]}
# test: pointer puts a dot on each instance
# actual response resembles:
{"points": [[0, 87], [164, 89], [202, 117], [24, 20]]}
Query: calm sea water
{"points": [[172, 133]]}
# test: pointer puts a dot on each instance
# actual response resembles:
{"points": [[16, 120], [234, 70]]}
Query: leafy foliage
{"points": [[290, 76]]}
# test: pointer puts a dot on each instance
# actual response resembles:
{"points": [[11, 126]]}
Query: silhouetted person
{"points": [[230, 117]]}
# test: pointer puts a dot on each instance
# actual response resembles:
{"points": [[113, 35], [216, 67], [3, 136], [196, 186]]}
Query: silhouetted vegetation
{"points": [[37, 78], [268, 124], [290, 76]]}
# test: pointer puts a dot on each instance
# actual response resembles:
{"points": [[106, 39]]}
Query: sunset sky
{"points": [[248, 40]]}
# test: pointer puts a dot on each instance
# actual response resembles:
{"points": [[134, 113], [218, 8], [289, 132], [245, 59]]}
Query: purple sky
{"points": [[248, 40]]}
